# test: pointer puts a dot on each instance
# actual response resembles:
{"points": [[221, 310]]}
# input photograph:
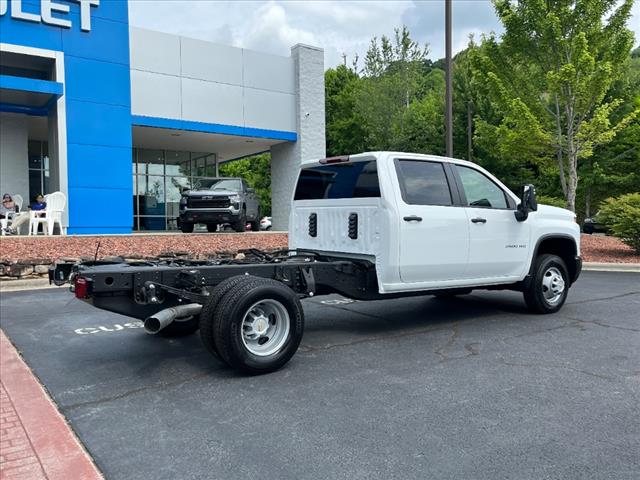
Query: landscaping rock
{"points": [[37, 261], [41, 269], [113, 258], [19, 270]]}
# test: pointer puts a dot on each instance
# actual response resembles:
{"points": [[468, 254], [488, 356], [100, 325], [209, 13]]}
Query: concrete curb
{"points": [[26, 284], [40, 283], [610, 267]]}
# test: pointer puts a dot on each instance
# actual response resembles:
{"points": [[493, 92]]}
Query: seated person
{"points": [[39, 206], [8, 207]]}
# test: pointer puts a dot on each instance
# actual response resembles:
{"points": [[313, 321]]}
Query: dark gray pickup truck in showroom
{"points": [[216, 201]]}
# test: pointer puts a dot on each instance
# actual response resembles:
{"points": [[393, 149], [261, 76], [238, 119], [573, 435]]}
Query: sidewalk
{"points": [[35, 441]]}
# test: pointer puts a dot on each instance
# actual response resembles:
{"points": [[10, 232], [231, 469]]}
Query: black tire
{"points": [[212, 227], [241, 224], [228, 324], [182, 328], [268, 228], [209, 308], [255, 224], [587, 230], [546, 266], [186, 227]]}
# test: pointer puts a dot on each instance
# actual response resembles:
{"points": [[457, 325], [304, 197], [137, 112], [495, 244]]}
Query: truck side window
{"points": [[423, 183], [480, 190]]}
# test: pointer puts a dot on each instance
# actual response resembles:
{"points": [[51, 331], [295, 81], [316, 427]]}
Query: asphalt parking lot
{"points": [[410, 389]]}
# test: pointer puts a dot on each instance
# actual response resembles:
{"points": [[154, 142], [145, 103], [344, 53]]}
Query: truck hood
{"points": [[213, 193], [547, 211]]}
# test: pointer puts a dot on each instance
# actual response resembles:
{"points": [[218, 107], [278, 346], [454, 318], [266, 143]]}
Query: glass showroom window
{"points": [[38, 169], [159, 177]]}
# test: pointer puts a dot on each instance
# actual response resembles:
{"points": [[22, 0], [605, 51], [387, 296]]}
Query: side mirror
{"points": [[528, 203]]}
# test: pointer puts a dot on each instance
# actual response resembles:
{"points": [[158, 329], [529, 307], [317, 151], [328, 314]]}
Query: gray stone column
{"points": [[286, 157]]}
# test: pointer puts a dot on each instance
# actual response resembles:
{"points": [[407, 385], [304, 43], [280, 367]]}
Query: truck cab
{"points": [[426, 222]]}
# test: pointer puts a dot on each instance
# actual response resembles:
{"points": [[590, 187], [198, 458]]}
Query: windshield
{"points": [[217, 184]]}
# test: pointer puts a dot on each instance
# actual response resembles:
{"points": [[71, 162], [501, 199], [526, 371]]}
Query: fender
{"points": [[574, 268]]}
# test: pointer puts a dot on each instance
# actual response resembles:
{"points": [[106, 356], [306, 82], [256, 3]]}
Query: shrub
{"points": [[553, 201], [622, 216]]}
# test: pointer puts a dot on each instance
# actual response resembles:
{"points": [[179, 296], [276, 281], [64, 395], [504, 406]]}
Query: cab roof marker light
{"points": [[331, 160]]}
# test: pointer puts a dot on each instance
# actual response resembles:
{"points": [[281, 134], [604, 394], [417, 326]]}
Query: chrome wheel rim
{"points": [[265, 327], [553, 286]]}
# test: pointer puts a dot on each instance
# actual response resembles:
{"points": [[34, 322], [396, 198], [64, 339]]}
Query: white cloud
{"points": [[269, 29], [340, 27]]}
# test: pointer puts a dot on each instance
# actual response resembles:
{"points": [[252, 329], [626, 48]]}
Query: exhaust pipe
{"points": [[161, 319]]}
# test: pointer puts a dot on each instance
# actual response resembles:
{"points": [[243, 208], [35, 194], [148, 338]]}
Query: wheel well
{"points": [[564, 248]]}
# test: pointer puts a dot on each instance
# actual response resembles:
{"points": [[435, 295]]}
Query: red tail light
{"points": [[81, 287]]}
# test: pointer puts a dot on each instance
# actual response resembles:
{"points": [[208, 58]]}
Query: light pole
{"points": [[448, 114]]}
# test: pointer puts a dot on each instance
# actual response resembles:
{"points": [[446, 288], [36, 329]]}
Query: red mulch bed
{"points": [[595, 248], [598, 248], [50, 249]]}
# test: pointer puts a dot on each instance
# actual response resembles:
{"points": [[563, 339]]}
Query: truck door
{"points": [[434, 234], [499, 244]]}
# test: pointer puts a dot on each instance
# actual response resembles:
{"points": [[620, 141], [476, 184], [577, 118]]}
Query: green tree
{"points": [[393, 77], [614, 168], [256, 170], [549, 78], [345, 131], [621, 216]]}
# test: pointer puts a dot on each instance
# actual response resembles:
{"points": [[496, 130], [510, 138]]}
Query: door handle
{"points": [[413, 218], [479, 220]]}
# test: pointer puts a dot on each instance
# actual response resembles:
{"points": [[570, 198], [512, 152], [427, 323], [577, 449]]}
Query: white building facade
{"points": [[120, 119]]}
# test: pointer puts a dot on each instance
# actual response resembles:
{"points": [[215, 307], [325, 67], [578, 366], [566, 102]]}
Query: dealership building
{"points": [[121, 119]]}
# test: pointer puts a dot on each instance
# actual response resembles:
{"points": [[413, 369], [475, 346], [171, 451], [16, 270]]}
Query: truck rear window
{"points": [[342, 180]]}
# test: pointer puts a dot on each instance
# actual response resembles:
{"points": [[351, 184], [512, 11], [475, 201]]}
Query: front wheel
{"points": [[549, 285], [241, 224], [257, 326], [255, 224], [212, 227], [186, 227]]}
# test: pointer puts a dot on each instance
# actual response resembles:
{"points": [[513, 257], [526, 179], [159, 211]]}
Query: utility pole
{"points": [[448, 114], [470, 131]]}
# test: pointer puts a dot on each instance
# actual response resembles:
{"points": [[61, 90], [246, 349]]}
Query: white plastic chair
{"points": [[5, 222], [52, 214], [17, 199]]}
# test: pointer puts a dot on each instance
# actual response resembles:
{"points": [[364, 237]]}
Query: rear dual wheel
{"points": [[254, 324]]}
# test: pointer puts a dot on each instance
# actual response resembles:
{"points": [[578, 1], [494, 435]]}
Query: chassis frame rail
{"points": [[139, 289]]}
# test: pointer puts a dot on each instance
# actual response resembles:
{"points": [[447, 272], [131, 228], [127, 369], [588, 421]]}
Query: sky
{"points": [[340, 27]]}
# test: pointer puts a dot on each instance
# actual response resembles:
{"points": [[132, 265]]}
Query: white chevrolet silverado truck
{"points": [[370, 226]]}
